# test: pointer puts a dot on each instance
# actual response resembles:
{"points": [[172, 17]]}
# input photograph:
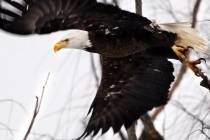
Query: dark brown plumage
{"points": [[130, 87], [136, 73]]}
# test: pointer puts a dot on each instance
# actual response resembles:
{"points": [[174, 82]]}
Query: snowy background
{"points": [[25, 62]]}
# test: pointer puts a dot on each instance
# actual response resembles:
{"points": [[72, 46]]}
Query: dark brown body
{"points": [[136, 74]]}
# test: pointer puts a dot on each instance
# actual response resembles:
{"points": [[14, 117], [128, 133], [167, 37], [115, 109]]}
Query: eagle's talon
{"points": [[194, 68], [181, 52], [199, 61], [202, 59]]}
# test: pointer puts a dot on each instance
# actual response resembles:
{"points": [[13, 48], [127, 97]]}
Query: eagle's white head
{"points": [[75, 39]]}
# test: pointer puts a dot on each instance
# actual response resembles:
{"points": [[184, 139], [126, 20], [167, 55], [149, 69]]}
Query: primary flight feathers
{"points": [[41, 16]]}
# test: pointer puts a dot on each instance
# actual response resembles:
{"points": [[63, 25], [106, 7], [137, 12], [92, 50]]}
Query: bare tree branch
{"points": [[122, 136], [15, 102], [132, 132], [94, 69], [33, 119], [149, 132], [139, 7], [183, 68], [195, 13], [204, 125], [36, 110], [115, 2], [205, 82], [8, 129]]}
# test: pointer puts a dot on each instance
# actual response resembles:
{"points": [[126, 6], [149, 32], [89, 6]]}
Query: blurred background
{"points": [[69, 81]]}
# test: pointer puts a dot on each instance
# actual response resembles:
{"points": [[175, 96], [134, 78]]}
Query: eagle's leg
{"points": [[181, 52], [182, 55]]}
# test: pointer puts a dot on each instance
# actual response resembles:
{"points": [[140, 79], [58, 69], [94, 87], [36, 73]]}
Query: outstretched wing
{"points": [[129, 88], [41, 16]]}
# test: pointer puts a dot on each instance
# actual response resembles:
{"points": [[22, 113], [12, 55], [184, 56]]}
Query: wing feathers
{"points": [[145, 88], [16, 5], [9, 13], [41, 16]]}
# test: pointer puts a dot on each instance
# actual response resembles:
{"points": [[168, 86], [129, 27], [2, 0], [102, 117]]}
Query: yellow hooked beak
{"points": [[60, 45]]}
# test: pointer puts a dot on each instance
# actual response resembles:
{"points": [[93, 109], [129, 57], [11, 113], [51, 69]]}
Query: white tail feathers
{"points": [[187, 36]]}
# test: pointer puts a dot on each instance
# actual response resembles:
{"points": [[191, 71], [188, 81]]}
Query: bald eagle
{"points": [[136, 74]]}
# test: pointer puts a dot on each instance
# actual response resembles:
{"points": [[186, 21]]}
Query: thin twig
{"points": [[43, 90], [16, 103], [37, 108], [7, 128], [204, 126], [33, 119]]}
